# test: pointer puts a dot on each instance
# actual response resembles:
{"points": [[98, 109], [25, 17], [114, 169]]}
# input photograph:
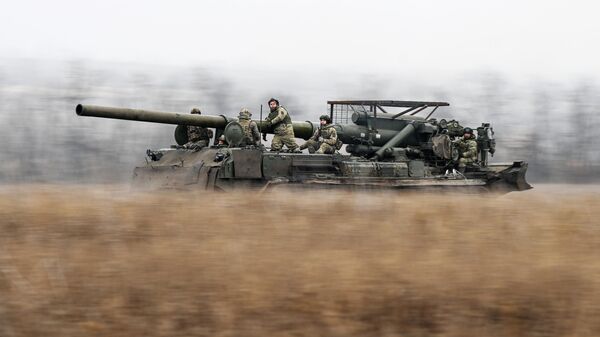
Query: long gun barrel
{"points": [[301, 129]]}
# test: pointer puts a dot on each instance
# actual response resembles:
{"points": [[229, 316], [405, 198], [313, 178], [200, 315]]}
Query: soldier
{"points": [[223, 147], [251, 133], [221, 142], [467, 149], [281, 122], [324, 139], [198, 137]]}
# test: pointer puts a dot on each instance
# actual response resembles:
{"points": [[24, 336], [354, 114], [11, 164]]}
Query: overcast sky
{"points": [[553, 39]]}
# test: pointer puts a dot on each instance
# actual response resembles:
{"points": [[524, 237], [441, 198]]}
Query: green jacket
{"points": [[279, 116], [467, 148], [328, 133]]}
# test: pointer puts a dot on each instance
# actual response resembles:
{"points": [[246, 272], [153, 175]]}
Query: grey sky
{"points": [[554, 39]]}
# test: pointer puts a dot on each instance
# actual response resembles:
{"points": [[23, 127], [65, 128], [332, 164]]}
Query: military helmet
{"points": [[245, 113], [468, 130], [273, 100], [196, 111], [325, 118]]}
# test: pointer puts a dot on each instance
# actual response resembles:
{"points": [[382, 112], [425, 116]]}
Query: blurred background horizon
{"points": [[530, 69]]}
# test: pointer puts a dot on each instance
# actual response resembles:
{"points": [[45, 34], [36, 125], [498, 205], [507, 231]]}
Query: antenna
{"points": [[260, 118]]}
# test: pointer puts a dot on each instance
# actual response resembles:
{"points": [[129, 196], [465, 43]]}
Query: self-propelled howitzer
{"points": [[383, 150]]}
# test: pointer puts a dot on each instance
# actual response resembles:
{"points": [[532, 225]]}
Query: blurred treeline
{"points": [[553, 125]]}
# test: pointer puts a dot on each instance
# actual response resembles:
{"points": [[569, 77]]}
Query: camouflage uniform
{"points": [[324, 140], [282, 128], [198, 137], [467, 149], [251, 133]]}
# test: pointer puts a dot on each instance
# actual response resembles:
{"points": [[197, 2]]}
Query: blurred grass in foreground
{"points": [[77, 261]]}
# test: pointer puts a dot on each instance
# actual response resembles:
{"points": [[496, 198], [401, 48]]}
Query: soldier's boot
{"points": [[303, 147], [293, 148], [276, 146], [326, 149], [312, 148], [311, 145]]}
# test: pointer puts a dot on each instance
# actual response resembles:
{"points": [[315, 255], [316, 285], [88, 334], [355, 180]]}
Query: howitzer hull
{"points": [[249, 168]]}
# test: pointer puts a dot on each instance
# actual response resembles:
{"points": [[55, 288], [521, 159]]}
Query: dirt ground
{"points": [[104, 261]]}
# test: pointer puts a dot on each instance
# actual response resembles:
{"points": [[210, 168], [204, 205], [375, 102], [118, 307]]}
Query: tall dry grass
{"points": [[80, 261]]}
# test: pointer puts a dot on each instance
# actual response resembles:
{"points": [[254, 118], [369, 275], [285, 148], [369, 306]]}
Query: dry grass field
{"points": [[99, 261]]}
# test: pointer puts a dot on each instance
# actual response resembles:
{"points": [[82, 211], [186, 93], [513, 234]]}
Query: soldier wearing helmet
{"points": [[224, 150], [281, 122], [198, 137], [324, 140], [467, 149], [251, 133], [221, 142]]}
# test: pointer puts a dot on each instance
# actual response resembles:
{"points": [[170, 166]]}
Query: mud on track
{"points": [[85, 261]]}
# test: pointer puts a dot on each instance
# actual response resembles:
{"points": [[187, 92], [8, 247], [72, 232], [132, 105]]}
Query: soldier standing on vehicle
{"points": [[251, 133], [467, 149], [324, 139], [281, 122], [198, 137]]}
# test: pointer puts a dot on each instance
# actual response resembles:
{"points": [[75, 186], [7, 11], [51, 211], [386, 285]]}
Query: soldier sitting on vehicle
{"points": [[198, 137], [324, 140], [467, 149], [251, 133]]}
